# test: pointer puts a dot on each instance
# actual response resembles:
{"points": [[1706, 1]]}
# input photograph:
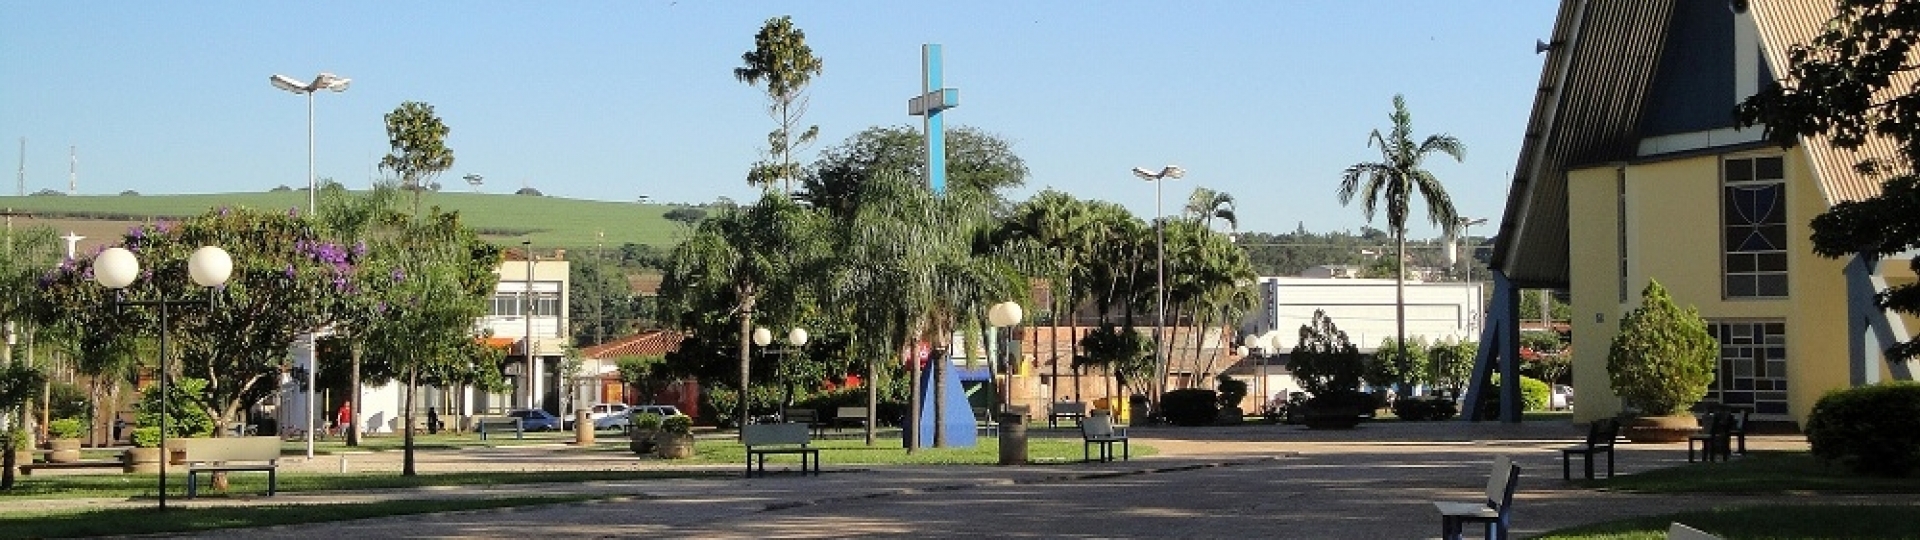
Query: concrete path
{"points": [[1238, 481]]}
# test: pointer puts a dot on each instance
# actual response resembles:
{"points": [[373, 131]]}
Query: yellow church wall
{"points": [[1593, 245], [1817, 359]]}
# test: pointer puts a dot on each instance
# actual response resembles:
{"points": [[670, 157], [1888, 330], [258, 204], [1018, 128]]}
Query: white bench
{"points": [[1099, 430], [787, 438], [850, 416], [229, 454], [1072, 410], [480, 424], [1495, 510]]}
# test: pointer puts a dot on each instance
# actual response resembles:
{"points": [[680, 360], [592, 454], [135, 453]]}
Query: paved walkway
{"points": [[1235, 481]]}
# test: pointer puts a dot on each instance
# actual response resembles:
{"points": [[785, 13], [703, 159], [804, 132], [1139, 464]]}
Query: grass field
{"points": [[550, 222]]}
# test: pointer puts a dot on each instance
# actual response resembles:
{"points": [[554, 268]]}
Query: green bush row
{"points": [[1872, 430]]}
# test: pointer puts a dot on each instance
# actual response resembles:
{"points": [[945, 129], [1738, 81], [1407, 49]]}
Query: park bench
{"points": [[1739, 431], [762, 440], [1600, 436], [1716, 440], [850, 416], [805, 417], [28, 468], [1073, 410], [484, 424], [1495, 510], [1099, 430], [229, 454], [983, 423]]}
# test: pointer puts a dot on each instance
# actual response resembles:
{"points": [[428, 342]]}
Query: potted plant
{"points": [[63, 439], [1329, 366], [1660, 363], [676, 440], [144, 457], [645, 431]]}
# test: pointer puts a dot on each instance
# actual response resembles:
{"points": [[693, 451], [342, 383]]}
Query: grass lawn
{"points": [[139, 521], [145, 485], [1757, 473], [1790, 474]]}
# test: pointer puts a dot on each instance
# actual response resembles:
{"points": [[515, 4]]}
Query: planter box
{"points": [[63, 451], [643, 441], [679, 446], [140, 460]]}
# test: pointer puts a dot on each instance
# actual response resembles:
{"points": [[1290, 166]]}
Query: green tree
{"points": [[1394, 181], [1663, 358], [1123, 353], [977, 161], [24, 256], [1325, 361], [782, 60], [19, 383], [731, 262], [1205, 205], [1399, 364], [1850, 85], [600, 303], [1452, 364], [419, 148]]}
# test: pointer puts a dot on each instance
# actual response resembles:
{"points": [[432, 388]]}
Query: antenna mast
{"points": [[73, 170], [22, 190]]}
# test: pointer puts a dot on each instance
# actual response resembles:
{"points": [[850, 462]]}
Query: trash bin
{"points": [[1013, 436]]}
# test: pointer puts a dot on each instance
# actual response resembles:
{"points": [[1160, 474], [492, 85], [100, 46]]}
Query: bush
{"points": [[1325, 361], [1425, 408], [1337, 409], [1663, 358], [1231, 390], [146, 437], [1872, 430], [65, 428], [678, 424], [649, 421], [17, 439], [185, 416], [1535, 395], [1190, 406]]}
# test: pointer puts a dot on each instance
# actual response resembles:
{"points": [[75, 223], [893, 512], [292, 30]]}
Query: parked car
{"points": [[624, 419], [1562, 397], [536, 419], [596, 413]]}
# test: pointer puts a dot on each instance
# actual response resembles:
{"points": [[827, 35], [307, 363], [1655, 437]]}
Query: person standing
{"points": [[433, 421], [343, 420]]}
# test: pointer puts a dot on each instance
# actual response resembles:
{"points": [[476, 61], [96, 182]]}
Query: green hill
{"points": [[549, 222]]}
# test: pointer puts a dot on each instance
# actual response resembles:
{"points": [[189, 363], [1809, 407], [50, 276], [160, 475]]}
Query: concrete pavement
{"points": [[1230, 481]]}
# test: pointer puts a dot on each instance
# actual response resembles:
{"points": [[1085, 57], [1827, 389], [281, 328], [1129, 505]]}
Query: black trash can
{"points": [[1013, 438]]}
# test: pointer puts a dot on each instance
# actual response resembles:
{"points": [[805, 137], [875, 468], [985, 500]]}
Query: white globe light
{"points": [[1252, 341], [797, 336], [1004, 314], [1240, 351], [1274, 342], [210, 266], [1014, 314], [761, 337], [115, 268]]}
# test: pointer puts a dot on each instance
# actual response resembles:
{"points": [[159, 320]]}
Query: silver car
{"points": [[624, 419]]}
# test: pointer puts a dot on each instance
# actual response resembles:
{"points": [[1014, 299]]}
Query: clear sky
{"points": [[1266, 100]]}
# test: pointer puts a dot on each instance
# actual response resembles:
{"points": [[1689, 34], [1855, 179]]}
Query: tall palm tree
{"points": [[1393, 181], [1204, 205]]}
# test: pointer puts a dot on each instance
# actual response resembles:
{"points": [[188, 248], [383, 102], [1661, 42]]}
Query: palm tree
{"points": [[1205, 204], [1393, 181]]}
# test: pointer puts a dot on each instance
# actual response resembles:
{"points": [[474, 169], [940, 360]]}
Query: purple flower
{"points": [[290, 273], [399, 275], [360, 248], [163, 226], [224, 211], [293, 212]]}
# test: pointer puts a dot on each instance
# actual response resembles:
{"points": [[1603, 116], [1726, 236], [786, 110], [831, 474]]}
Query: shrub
{"points": [[1325, 361], [1535, 395], [1872, 430], [1190, 406], [1663, 358], [17, 439], [1231, 390], [678, 424], [1425, 408], [65, 428], [647, 421], [185, 416], [146, 437], [1390, 367]]}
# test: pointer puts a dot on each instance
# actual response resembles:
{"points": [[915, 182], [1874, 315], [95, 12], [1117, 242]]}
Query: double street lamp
{"points": [[116, 268], [325, 81], [1170, 172], [797, 337]]}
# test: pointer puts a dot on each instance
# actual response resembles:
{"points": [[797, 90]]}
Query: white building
{"points": [[535, 384], [1364, 309]]}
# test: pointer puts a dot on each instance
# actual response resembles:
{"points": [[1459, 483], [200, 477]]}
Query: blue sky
{"points": [[1266, 100]]}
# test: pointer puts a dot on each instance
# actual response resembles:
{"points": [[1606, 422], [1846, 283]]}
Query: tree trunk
{"points": [[873, 397], [939, 379], [746, 360], [359, 405], [406, 422], [1400, 304]]}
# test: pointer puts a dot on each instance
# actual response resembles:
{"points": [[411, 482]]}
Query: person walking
{"points": [[433, 421], [343, 420]]}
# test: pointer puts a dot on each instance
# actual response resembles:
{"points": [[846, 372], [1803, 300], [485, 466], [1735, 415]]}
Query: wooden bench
{"points": [[1600, 436], [1715, 441], [1495, 510], [764, 439], [1099, 430], [806, 417], [1073, 410], [229, 454], [850, 416], [480, 424]]}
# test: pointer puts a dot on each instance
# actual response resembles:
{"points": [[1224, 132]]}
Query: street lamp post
{"points": [[1466, 224], [1160, 264], [325, 81], [116, 268], [797, 337]]}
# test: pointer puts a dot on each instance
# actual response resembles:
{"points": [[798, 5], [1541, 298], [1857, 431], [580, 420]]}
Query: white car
{"points": [[1561, 399], [624, 418]]}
